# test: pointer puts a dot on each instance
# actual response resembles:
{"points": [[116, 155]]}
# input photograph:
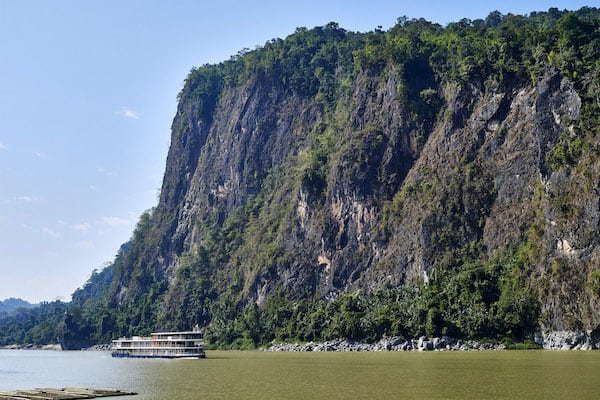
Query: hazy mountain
{"points": [[11, 304]]}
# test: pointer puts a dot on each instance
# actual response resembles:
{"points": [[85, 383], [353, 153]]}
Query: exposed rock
{"points": [[423, 343], [506, 131], [100, 347], [566, 340]]}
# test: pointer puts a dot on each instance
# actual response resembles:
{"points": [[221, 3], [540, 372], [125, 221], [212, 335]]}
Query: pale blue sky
{"points": [[87, 94]]}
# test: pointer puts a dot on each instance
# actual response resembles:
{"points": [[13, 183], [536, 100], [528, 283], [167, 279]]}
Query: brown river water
{"points": [[261, 375]]}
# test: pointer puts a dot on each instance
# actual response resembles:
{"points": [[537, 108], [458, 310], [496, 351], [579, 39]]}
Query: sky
{"points": [[88, 90]]}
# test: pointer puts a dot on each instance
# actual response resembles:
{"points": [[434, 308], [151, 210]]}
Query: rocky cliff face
{"points": [[367, 173], [480, 176]]}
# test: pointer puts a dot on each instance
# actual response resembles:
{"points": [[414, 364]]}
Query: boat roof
{"points": [[175, 333]]}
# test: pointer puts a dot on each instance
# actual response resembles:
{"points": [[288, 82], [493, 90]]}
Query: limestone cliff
{"points": [[333, 162]]}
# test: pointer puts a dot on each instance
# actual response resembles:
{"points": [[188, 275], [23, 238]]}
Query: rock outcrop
{"points": [[423, 343], [481, 175]]}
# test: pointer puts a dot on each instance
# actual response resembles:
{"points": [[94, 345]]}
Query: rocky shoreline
{"points": [[423, 343], [57, 347], [556, 340], [568, 340], [562, 340], [31, 346], [99, 347]]}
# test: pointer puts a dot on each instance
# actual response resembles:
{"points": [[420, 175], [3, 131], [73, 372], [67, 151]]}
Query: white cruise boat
{"points": [[161, 345]]}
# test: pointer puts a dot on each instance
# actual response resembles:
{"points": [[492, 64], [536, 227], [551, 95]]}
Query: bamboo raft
{"points": [[62, 394]]}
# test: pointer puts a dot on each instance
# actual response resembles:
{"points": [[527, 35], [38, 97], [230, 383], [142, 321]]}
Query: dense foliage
{"points": [[468, 294], [470, 300], [39, 325]]}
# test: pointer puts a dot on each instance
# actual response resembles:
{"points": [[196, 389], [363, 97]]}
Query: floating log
{"points": [[62, 394]]}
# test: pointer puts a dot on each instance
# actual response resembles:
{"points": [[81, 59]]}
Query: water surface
{"points": [[258, 375]]}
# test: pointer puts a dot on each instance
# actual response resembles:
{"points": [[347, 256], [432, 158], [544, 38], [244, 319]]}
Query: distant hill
{"points": [[9, 305]]}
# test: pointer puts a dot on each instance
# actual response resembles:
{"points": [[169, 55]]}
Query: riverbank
{"points": [[556, 340], [423, 343], [559, 340], [55, 347], [31, 346]]}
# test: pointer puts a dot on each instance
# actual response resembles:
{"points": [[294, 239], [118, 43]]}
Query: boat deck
{"points": [[62, 394]]}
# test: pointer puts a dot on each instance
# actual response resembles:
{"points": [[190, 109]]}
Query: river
{"points": [[260, 375]]}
